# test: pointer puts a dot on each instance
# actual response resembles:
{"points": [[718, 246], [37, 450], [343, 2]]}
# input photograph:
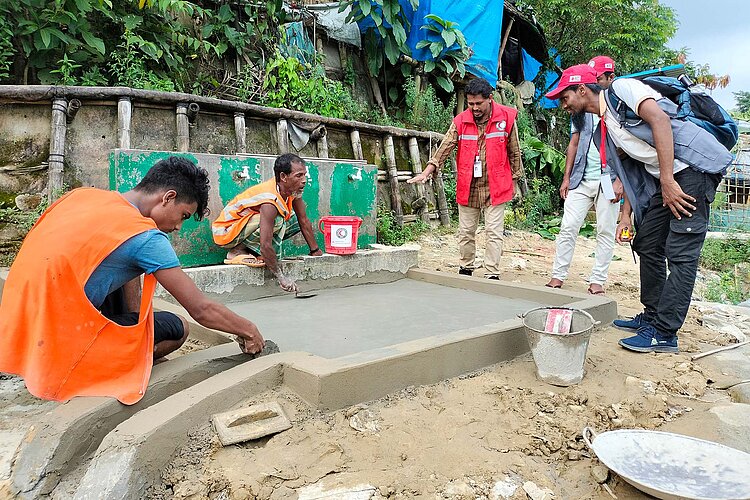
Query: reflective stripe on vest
{"points": [[496, 134], [468, 137]]}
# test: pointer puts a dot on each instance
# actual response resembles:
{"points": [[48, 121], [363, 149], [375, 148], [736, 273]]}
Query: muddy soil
{"points": [[496, 433]]}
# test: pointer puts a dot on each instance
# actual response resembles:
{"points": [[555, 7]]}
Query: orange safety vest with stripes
{"points": [[496, 153], [50, 333], [238, 212]]}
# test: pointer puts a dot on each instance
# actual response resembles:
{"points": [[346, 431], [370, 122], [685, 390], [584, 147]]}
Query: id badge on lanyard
{"points": [[477, 167]]}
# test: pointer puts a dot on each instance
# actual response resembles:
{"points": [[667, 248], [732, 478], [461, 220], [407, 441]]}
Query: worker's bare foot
{"points": [[554, 283], [236, 251], [596, 289]]}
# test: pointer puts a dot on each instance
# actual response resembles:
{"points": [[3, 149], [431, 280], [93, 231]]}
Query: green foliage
{"points": [[448, 48], [390, 234], [743, 103], [167, 40], [24, 219], [387, 36], [722, 255], [725, 288], [549, 228], [65, 70], [424, 111], [128, 68], [542, 200], [633, 32], [293, 85], [539, 155]]}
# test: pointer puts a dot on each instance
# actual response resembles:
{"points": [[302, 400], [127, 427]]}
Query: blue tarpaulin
{"points": [[479, 20], [531, 68]]}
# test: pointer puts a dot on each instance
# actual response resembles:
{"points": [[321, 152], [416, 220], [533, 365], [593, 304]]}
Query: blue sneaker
{"points": [[648, 339], [634, 323]]}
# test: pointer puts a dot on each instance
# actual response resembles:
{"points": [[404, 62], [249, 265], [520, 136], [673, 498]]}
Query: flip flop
{"points": [[246, 260], [596, 292]]}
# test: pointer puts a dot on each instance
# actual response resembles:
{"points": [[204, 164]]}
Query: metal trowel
{"points": [[303, 295]]}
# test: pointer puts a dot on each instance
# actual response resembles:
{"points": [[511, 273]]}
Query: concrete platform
{"points": [[130, 457]]}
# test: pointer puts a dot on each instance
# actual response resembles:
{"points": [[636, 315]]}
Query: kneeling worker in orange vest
{"points": [[70, 319], [254, 223]]}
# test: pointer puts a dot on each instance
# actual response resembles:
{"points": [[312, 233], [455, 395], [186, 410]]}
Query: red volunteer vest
{"points": [[496, 153], [50, 334]]}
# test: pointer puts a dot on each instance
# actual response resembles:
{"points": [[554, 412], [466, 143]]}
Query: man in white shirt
{"points": [[581, 189], [669, 192]]}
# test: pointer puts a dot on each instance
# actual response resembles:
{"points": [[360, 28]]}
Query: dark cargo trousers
{"points": [[664, 242]]}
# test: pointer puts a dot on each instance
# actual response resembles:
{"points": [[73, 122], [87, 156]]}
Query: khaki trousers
{"points": [[494, 221]]}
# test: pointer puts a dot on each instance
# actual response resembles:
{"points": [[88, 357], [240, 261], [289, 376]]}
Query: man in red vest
{"points": [[489, 166]]}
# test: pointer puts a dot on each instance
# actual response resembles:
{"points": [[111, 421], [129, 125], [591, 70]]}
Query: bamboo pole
{"points": [[124, 117], [390, 156], [377, 95], [183, 128], [46, 92], [438, 186], [356, 145], [239, 133], [460, 101], [502, 48], [282, 136], [416, 162], [57, 149]]}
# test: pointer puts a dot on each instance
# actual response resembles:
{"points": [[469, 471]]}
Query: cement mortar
{"points": [[341, 322]]}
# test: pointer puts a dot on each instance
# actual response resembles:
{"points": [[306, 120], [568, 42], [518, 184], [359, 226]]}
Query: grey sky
{"points": [[718, 34]]}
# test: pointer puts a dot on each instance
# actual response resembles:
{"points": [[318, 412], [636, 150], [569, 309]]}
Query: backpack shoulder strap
{"points": [[618, 104]]}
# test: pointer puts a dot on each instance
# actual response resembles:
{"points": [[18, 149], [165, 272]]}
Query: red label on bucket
{"points": [[558, 321]]}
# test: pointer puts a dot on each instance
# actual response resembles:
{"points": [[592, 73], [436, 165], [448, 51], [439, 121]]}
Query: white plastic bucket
{"points": [[559, 357]]}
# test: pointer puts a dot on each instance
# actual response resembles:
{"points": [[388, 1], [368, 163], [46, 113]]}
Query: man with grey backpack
{"points": [[670, 176]]}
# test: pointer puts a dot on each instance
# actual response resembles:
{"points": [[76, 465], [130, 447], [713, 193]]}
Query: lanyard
{"points": [[603, 144]]}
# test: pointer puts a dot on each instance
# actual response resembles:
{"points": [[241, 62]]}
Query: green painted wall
{"points": [[333, 188]]}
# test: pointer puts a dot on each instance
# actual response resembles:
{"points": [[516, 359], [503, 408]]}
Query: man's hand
{"points": [[626, 226], [619, 189], [564, 187], [286, 283], [251, 342], [517, 190], [421, 178], [676, 199]]}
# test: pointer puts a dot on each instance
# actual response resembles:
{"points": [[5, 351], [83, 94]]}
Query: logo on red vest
{"points": [[501, 125]]}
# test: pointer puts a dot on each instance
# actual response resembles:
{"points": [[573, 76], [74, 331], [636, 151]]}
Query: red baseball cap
{"points": [[575, 75], [602, 64]]}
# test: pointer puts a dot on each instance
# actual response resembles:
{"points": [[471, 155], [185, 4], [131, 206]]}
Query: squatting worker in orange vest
{"points": [[71, 319], [489, 166], [255, 222]]}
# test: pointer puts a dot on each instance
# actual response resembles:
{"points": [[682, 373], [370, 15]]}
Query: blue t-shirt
{"points": [[144, 253]]}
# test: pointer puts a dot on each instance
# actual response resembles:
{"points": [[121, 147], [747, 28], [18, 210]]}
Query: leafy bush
{"points": [[424, 111], [293, 85], [722, 255], [725, 288], [542, 199], [390, 234]]}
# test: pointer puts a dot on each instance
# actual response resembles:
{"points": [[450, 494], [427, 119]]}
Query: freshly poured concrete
{"points": [[344, 321]]}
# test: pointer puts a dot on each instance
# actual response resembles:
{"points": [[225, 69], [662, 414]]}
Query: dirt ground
{"points": [[497, 433]]}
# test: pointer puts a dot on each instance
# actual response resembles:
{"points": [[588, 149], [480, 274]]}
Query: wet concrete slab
{"points": [[344, 321]]}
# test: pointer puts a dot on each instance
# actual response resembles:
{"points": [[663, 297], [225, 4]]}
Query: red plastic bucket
{"points": [[340, 233]]}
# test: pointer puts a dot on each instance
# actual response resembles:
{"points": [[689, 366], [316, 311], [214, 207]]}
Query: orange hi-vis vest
{"points": [[50, 333], [495, 150], [238, 212]]}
